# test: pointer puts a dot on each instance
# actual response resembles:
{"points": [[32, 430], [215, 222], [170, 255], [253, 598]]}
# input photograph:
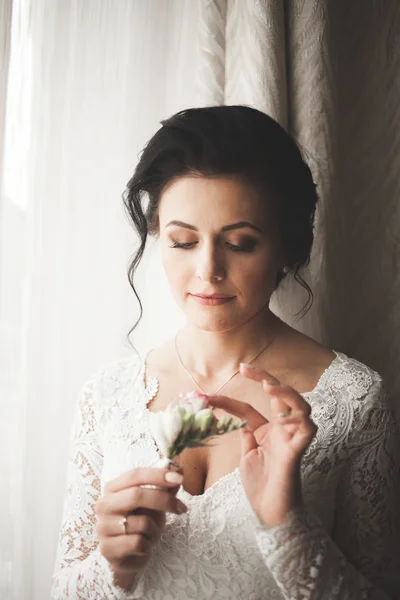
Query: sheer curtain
{"points": [[87, 83]]}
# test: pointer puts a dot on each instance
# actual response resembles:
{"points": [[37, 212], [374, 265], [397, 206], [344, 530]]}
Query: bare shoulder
{"points": [[300, 360]]}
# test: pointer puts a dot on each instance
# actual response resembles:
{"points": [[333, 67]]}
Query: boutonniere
{"points": [[187, 423]]}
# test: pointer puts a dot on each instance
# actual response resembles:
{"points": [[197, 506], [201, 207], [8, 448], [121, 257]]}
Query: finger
{"points": [[291, 423], [287, 400], [258, 374], [271, 385], [248, 442], [112, 525], [120, 547], [141, 476], [243, 410], [304, 435], [302, 428], [127, 500], [280, 409], [283, 414], [157, 516]]}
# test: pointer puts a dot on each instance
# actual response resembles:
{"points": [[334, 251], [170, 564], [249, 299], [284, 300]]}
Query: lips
{"points": [[213, 300], [218, 296]]}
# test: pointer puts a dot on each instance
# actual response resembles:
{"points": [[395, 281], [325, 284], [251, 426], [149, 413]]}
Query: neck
{"points": [[215, 354]]}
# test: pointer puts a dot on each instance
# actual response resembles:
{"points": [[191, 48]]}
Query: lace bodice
{"points": [[345, 544]]}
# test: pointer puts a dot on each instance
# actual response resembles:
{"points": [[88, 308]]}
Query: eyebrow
{"points": [[239, 225]]}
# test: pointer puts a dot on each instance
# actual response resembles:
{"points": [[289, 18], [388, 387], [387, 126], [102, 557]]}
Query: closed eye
{"points": [[183, 245], [247, 247]]}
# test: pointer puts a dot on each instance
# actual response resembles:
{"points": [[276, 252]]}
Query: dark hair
{"points": [[236, 141]]}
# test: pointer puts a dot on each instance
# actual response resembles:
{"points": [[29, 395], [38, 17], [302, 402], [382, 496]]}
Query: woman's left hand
{"points": [[271, 450]]}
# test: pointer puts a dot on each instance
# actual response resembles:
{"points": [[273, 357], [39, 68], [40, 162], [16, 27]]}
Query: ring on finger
{"points": [[122, 522], [282, 415]]}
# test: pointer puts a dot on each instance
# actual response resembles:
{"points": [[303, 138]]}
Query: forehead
{"points": [[211, 202]]}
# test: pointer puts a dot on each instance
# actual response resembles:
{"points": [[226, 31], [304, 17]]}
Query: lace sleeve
{"points": [[361, 561], [81, 571]]}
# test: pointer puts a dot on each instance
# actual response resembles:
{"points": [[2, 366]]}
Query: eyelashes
{"points": [[247, 247], [187, 245]]}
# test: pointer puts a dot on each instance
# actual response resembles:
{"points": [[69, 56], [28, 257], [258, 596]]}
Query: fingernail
{"points": [[282, 415], [181, 508], [173, 477], [270, 380], [247, 365]]}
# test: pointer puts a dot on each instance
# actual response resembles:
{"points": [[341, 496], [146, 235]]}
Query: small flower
{"points": [[204, 420], [165, 427], [193, 401], [187, 423]]}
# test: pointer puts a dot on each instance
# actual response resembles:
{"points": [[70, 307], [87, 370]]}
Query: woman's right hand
{"points": [[145, 510]]}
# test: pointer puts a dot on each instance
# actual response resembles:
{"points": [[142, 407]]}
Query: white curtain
{"points": [[84, 86], [88, 83]]}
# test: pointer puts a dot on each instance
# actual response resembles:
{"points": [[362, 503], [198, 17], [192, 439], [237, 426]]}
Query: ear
{"points": [[281, 274]]}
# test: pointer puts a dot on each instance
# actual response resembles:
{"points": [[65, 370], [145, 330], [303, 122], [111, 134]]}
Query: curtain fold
{"points": [[345, 110], [5, 37], [256, 56], [13, 271], [212, 40]]}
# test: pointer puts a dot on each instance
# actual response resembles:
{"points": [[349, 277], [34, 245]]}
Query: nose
{"points": [[210, 265]]}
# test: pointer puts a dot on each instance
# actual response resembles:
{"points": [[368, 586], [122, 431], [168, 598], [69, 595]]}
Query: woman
{"points": [[302, 505]]}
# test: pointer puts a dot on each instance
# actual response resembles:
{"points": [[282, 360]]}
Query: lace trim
{"points": [[150, 385], [224, 479]]}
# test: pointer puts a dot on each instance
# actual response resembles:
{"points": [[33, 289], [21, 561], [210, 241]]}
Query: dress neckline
{"points": [[150, 387], [153, 382], [221, 481]]}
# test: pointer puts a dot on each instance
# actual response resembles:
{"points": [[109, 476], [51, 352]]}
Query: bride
{"points": [[301, 505]]}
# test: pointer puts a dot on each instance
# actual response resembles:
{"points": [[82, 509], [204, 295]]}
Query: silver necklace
{"points": [[228, 380]]}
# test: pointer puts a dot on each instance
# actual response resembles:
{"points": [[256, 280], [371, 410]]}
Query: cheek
{"points": [[176, 269], [256, 276]]}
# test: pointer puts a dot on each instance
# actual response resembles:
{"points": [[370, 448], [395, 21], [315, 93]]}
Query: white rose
{"points": [[187, 424], [194, 401], [165, 426]]}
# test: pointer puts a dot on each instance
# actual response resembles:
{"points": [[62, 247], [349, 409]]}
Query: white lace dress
{"points": [[344, 545]]}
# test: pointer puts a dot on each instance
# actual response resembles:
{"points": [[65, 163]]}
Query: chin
{"points": [[212, 327], [214, 322]]}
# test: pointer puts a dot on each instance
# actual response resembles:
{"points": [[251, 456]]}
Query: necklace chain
{"points": [[228, 380]]}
